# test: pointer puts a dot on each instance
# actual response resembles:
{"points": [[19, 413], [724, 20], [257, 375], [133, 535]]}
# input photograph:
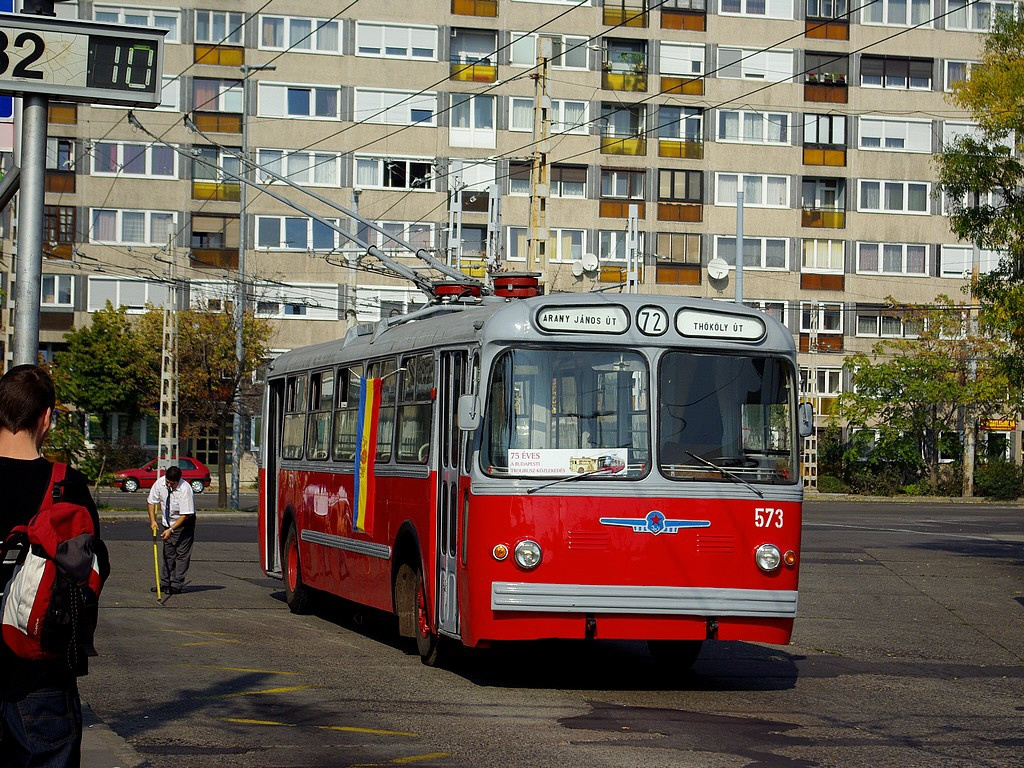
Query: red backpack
{"points": [[49, 602]]}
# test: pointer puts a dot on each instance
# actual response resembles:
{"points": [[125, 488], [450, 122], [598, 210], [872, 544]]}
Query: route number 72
{"points": [[767, 517]]}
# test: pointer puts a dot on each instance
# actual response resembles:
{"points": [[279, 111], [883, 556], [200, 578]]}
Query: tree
{"points": [[918, 389], [972, 166], [209, 377]]}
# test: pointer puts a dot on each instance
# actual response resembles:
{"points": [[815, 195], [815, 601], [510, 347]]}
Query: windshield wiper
{"points": [[726, 473], [570, 478]]}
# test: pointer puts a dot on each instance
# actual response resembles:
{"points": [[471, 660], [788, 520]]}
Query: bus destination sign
{"points": [[716, 325], [81, 61], [583, 319]]}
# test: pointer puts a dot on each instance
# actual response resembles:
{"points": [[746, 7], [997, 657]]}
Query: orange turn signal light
{"points": [[500, 551], [789, 558]]}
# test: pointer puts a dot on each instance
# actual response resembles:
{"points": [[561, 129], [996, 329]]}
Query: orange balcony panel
{"points": [[810, 281], [691, 86], [830, 93], [218, 123], [623, 145], [817, 217], [60, 181], [212, 190], [678, 274], [824, 156], [616, 274], [62, 113], [827, 30], [474, 268], [688, 20], [624, 81], [219, 258], [219, 55], [680, 212], [689, 150], [619, 209], [474, 73], [58, 251], [625, 17], [825, 343], [475, 7]]}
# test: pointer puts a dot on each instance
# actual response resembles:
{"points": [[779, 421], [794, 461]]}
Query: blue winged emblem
{"points": [[655, 522]]}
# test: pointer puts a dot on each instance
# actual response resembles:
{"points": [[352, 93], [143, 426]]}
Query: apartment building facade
{"points": [[422, 117]]}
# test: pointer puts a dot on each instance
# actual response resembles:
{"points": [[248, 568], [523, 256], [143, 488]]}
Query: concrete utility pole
{"points": [[493, 255], [540, 172], [633, 254], [455, 215], [970, 427], [167, 452], [739, 242]]}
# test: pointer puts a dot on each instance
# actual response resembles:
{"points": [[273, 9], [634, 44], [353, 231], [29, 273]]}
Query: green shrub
{"points": [[830, 484], [999, 480], [885, 481], [106, 458]]}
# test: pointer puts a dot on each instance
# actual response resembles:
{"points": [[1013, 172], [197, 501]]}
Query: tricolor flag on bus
{"points": [[366, 443]]}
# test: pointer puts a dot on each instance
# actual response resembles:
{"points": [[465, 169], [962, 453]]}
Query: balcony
{"points": [[686, 212], [479, 72], [678, 274], [833, 29], [624, 81], [681, 148], [625, 15], [216, 258], [829, 91], [62, 182], [62, 113], [610, 274], [216, 190], [475, 7], [824, 155], [690, 86], [219, 55], [825, 343], [619, 209], [474, 267], [823, 218], [815, 281], [623, 145], [692, 21], [216, 122]]}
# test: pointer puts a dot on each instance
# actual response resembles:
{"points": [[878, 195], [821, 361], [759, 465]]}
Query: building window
{"points": [[306, 301], [299, 34], [822, 387], [299, 101], [418, 236], [771, 9], [823, 194], [823, 256], [822, 317], [892, 259], [619, 183], [57, 291], [748, 127], [378, 303], [828, 68], [685, 123], [162, 18], [958, 261], [891, 134], [755, 64], [759, 190], [115, 158], [896, 72], [59, 231], [898, 13], [971, 16], [394, 173], [219, 27], [123, 227], [893, 196], [472, 121], [758, 252], [681, 59], [315, 169], [826, 10], [825, 130], [565, 116], [681, 186], [776, 309], [131, 293], [567, 51], [396, 41], [217, 95], [568, 180], [878, 322], [395, 107], [678, 248], [612, 245], [957, 72], [295, 233]]}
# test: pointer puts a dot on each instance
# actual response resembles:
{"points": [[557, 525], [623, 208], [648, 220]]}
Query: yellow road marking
{"points": [[353, 729], [287, 689], [246, 721], [244, 669], [207, 642], [194, 632], [406, 760]]}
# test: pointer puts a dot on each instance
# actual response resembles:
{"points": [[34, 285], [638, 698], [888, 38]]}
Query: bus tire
{"points": [[411, 604], [676, 655], [296, 594]]}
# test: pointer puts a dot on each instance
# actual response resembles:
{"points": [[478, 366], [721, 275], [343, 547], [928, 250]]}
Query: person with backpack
{"points": [[171, 502], [40, 710]]}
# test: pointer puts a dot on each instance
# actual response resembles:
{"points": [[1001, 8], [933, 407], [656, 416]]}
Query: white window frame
{"points": [[977, 17], [762, 9], [771, 307], [556, 115], [380, 162], [989, 260], [148, 173], [233, 91], [313, 39], [212, 295], [687, 116], [308, 247], [674, 57], [610, 241], [878, 315], [568, 42], [783, 119], [947, 81], [880, 12], [906, 186], [472, 135], [823, 250], [881, 255], [268, 100], [369, 298], [415, 33], [908, 84], [51, 285], [744, 178], [762, 242], [769, 66], [387, 106], [909, 131], [813, 124], [154, 293], [824, 309], [234, 27], [310, 162], [119, 225], [308, 301], [125, 14], [388, 245]]}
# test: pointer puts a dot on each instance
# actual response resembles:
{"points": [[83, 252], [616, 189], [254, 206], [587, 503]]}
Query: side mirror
{"points": [[805, 419], [150, 468], [469, 412]]}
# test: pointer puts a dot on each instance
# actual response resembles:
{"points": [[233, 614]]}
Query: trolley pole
{"points": [[739, 244], [28, 273]]}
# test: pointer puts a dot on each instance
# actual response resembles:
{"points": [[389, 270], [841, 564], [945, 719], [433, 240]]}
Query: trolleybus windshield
{"points": [[727, 411], [555, 412]]}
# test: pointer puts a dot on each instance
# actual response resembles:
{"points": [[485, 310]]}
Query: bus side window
{"points": [[346, 413], [415, 409], [385, 370], [294, 417], [321, 402]]}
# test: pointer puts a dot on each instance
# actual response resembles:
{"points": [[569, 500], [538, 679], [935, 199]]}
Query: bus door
{"points": [[451, 384], [273, 419]]}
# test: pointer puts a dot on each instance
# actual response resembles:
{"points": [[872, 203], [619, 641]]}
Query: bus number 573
{"points": [[767, 517]]}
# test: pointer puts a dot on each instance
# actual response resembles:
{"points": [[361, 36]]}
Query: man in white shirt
{"points": [[170, 501]]}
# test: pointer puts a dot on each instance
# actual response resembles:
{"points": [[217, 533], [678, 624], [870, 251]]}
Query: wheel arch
{"points": [[406, 551]]}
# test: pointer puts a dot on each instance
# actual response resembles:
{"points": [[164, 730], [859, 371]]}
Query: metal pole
{"points": [[739, 244], [29, 271]]}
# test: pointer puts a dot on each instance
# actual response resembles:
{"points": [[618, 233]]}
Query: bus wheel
{"points": [[678, 655], [296, 594]]}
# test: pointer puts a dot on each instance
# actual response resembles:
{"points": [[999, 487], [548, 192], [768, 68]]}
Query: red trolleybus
{"points": [[564, 466]]}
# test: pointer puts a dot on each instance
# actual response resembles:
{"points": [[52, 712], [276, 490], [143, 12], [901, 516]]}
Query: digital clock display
{"points": [[122, 65]]}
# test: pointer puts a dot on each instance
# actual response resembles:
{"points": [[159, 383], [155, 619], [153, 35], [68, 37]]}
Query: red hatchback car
{"points": [[193, 472]]}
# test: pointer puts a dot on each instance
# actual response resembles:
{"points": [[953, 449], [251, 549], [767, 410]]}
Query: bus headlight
{"points": [[768, 558], [527, 554]]}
